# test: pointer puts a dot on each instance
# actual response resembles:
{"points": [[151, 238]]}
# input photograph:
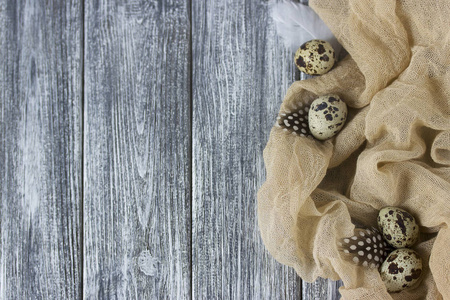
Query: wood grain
{"points": [[40, 149], [125, 165], [240, 75], [323, 289], [137, 150]]}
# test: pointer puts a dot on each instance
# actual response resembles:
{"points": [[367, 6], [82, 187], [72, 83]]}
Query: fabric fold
{"points": [[393, 151]]}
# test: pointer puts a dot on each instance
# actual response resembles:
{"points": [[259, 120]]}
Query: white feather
{"points": [[297, 23]]}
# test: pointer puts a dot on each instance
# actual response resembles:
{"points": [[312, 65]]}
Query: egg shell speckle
{"points": [[315, 57], [399, 227], [327, 116], [401, 269]]}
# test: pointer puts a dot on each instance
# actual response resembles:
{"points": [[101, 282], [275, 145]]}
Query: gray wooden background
{"points": [[131, 139]]}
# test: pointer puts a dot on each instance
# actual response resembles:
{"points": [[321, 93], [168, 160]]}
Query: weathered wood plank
{"points": [[321, 289], [240, 75], [40, 149], [137, 150]]}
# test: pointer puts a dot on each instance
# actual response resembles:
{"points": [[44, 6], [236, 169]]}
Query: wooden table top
{"points": [[131, 140]]}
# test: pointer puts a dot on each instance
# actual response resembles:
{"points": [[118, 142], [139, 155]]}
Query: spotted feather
{"points": [[295, 120], [366, 248]]}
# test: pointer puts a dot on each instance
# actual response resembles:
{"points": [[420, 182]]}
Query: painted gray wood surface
{"points": [[40, 149], [137, 184], [240, 74], [131, 138], [321, 289]]}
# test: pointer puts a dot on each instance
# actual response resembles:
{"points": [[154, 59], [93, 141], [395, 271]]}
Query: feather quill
{"points": [[297, 23]]}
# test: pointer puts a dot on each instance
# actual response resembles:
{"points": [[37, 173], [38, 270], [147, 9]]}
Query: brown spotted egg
{"points": [[315, 57], [326, 117], [399, 227], [401, 269]]}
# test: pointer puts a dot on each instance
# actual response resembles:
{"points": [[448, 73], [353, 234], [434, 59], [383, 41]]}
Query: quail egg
{"points": [[399, 228], [315, 57], [327, 115], [401, 269]]}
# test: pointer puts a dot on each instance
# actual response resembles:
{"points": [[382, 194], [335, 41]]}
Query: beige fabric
{"points": [[394, 149]]}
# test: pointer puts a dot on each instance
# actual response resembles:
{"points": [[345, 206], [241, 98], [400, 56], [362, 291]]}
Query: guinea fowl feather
{"points": [[366, 248], [297, 23], [295, 119]]}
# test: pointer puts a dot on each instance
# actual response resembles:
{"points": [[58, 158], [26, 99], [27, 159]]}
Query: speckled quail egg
{"points": [[327, 115], [401, 269], [399, 228], [315, 57]]}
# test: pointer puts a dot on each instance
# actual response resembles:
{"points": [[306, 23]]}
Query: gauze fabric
{"points": [[393, 151]]}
